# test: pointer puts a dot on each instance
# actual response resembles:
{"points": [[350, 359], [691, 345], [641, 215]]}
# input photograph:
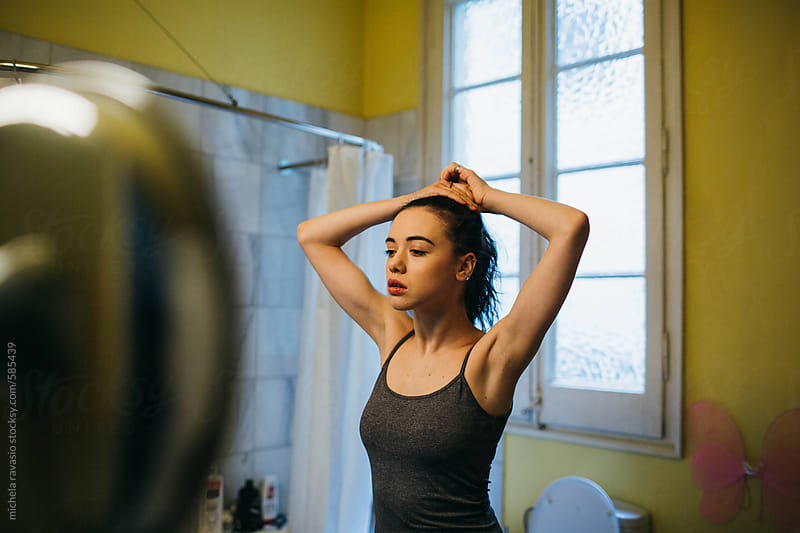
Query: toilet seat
{"points": [[573, 504]]}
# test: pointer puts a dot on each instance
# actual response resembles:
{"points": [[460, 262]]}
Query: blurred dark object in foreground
{"points": [[116, 308]]}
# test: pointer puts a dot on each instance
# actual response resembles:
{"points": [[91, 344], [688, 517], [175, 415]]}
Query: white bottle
{"points": [[210, 519], [269, 498]]}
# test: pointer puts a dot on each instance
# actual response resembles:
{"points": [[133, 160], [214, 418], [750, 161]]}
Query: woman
{"points": [[434, 418]]}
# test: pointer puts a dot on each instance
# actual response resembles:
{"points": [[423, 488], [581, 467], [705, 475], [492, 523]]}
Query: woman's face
{"points": [[421, 267]]}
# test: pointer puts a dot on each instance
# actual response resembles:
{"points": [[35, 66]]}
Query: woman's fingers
{"points": [[458, 191], [449, 173], [477, 186], [465, 193], [454, 172], [455, 191]]}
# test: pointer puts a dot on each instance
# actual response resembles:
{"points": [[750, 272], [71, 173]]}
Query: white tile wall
{"points": [[227, 134], [246, 248], [400, 136], [280, 279], [15, 46], [284, 200], [249, 337], [279, 338], [238, 185], [272, 396]]}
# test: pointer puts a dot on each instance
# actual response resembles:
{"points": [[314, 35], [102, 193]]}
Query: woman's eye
{"points": [[390, 253]]}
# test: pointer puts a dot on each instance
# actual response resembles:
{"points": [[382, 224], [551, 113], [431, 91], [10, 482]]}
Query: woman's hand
{"points": [[458, 191], [458, 175]]}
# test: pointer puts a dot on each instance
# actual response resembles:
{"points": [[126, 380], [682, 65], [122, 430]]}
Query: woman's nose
{"points": [[396, 264]]}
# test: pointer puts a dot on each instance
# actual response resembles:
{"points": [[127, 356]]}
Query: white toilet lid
{"points": [[573, 504]]}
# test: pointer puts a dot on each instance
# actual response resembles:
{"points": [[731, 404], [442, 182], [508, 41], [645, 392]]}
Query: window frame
{"points": [[537, 138]]}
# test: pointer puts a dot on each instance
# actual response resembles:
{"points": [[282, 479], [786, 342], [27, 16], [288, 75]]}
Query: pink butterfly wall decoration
{"points": [[720, 470]]}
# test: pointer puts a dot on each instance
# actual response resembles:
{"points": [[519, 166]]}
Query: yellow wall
{"points": [[353, 56], [742, 249], [391, 57], [310, 51]]}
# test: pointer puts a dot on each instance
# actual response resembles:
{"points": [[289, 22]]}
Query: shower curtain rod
{"points": [[309, 163], [12, 65]]}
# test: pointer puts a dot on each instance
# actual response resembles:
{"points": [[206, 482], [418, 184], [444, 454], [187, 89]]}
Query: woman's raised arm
{"points": [[322, 238], [516, 338]]}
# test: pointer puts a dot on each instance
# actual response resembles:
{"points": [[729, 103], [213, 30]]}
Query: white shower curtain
{"points": [[330, 488]]}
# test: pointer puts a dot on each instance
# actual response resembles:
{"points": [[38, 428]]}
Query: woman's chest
{"points": [[440, 426], [407, 376]]}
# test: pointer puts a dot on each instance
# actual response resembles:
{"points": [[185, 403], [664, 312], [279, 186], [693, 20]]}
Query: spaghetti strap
{"points": [[464, 365], [404, 339]]}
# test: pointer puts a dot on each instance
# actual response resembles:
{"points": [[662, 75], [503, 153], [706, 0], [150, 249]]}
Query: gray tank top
{"points": [[430, 457]]}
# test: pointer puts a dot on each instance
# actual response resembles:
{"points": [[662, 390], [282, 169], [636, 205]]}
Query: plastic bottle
{"points": [[269, 498], [248, 508], [210, 516]]}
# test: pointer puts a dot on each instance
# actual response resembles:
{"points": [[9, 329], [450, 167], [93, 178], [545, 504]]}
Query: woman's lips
{"points": [[395, 287]]}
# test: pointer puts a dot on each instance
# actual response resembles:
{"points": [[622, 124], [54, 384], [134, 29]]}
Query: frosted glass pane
{"points": [[507, 289], [505, 230], [505, 184], [486, 129], [595, 28], [487, 41], [600, 335], [614, 200], [600, 113]]}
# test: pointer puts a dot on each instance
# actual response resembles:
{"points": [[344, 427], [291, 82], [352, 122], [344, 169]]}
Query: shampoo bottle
{"points": [[210, 519], [269, 498]]}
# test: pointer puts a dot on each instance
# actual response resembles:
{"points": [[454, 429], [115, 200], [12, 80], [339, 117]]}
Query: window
{"points": [[567, 100], [483, 110]]}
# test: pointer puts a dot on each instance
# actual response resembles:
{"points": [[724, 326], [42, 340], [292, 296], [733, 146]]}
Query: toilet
{"points": [[575, 504]]}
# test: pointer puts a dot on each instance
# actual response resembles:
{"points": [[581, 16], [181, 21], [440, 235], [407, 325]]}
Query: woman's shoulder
{"points": [[397, 327]]}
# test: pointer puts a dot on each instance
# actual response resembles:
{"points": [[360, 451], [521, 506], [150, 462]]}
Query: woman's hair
{"points": [[466, 231]]}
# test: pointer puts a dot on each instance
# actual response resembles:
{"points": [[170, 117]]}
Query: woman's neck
{"points": [[440, 330]]}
